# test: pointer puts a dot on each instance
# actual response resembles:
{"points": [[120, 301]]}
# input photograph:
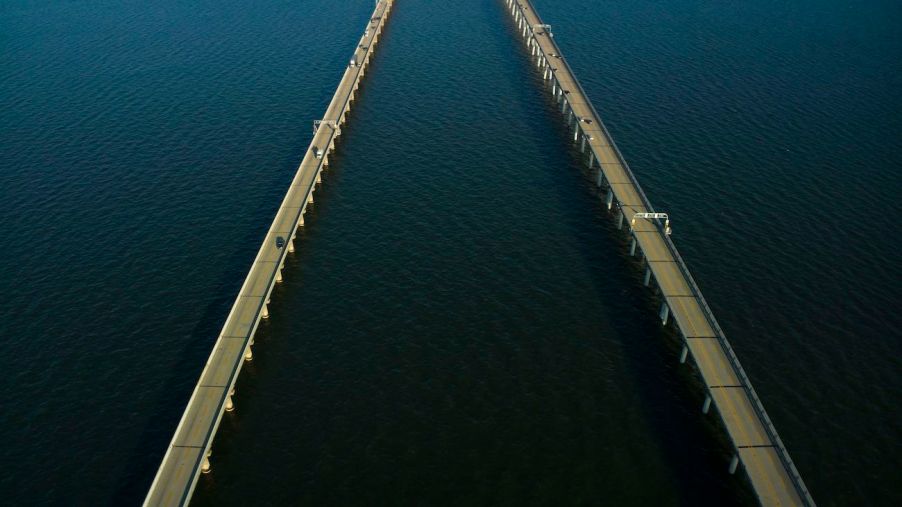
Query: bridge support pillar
{"points": [[301, 220], [582, 144], [633, 246], [734, 463], [229, 405], [707, 405], [291, 245], [664, 313], [278, 276], [564, 108], [647, 275], [248, 354], [310, 198], [592, 160], [319, 177], [599, 179], [683, 354], [264, 313], [575, 127], [609, 199], [205, 467]]}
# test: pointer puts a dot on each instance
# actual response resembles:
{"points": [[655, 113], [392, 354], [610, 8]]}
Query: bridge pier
{"points": [[248, 354], [279, 275], [619, 218], [229, 405], [706, 406], [205, 467], [264, 313], [291, 244], [647, 278], [582, 144], [609, 198], [734, 463], [633, 246], [592, 160], [665, 313], [683, 354]]}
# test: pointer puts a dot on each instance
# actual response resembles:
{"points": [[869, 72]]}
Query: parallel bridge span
{"points": [[188, 454], [756, 444]]}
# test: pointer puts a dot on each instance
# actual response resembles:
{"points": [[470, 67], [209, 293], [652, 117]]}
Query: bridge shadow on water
{"points": [[694, 446], [144, 459]]}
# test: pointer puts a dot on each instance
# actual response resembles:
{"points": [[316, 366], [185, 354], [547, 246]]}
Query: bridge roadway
{"points": [[188, 453], [756, 444]]}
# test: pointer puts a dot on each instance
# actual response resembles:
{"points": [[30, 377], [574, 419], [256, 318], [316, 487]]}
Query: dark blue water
{"points": [[460, 324]]}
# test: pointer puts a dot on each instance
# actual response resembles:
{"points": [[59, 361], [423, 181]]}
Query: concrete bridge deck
{"points": [[188, 453], [757, 446]]}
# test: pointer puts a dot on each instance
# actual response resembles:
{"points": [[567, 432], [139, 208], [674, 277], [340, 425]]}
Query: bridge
{"points": [[756, 444], [189, 452]]}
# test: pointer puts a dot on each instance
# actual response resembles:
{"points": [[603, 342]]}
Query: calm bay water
{"points": [[460, 324]]}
